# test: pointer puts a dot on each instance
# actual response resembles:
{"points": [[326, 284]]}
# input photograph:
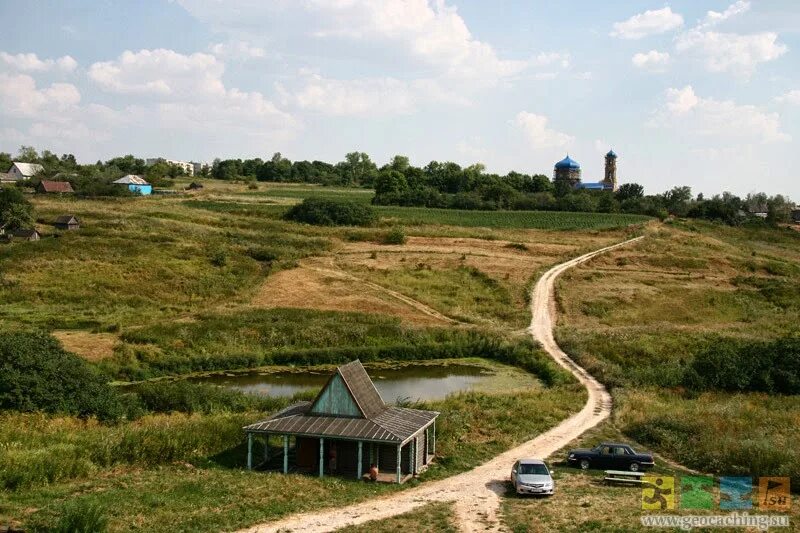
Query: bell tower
{"points": [[610, 180]]}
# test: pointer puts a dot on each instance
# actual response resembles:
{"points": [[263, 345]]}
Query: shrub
{"points": [[326, 212], [82, 516], [740, 366], [395, 236], [36, 374]]}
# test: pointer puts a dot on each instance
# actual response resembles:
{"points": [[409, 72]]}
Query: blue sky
{"points": [[701, 93]]}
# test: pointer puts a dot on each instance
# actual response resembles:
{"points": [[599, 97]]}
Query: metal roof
{"points": [[131, 179], [365, 394], [28, 169], [394, 424], [56, 186], [568, 162], [611, 154], [591, 186]]}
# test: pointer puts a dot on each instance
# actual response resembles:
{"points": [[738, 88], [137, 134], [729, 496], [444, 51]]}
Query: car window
{"points": [[606, 450], [537, 469]]}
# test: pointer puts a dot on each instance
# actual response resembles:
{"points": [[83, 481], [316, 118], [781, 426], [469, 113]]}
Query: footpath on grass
{"points": [[476, 493]]}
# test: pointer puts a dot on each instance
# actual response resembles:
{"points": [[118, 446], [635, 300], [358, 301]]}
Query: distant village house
{"points": [[67, 222], [47, 186], [24, 234], [347, 429], [23, 171], [796, 216], [195, 186], [135, 184]]}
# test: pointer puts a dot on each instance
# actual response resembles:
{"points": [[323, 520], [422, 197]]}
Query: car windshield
{"points": [[533, 469]]}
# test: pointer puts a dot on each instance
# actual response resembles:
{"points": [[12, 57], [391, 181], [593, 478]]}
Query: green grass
{"points": [[362, 196], [637, 317], [202, 486], [553, 220]]}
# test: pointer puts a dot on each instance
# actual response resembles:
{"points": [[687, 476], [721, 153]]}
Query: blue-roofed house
{"points": [[569, 170], [135, 184]]}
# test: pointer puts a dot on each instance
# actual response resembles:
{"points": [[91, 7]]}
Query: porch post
{"points": [[378, 457], [321, 456], [413, 461], [249, 451], [286, 454], [360, 460], [399, 463], [266, 447], [434, 437]]}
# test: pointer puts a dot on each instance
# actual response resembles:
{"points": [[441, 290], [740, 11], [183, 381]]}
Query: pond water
{"points": [[415, 382]]}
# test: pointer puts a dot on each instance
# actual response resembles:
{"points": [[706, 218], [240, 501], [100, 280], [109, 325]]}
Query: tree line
{"points": [[437, 184]]}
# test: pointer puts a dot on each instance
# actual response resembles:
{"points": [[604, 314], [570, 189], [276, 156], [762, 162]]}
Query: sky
{"points": [[703, 93]]}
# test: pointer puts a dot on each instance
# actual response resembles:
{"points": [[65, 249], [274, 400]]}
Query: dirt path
{"points": [[476, 493]]}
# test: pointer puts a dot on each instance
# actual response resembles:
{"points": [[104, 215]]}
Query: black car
{"points": [[612, 456]]}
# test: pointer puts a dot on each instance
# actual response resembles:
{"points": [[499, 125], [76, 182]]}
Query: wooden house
{"points": [[24, 234], [67, 222], [346, 429], [47, 186]]}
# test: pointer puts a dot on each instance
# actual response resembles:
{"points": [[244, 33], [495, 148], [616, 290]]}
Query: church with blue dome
{"points": [[569, 170]]}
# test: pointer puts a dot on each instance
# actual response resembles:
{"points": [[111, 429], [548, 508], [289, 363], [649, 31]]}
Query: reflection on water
{"points": [[417, 382]]}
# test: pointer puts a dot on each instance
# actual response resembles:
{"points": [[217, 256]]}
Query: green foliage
{"points": [[15, 210], [187, 397], [395, 236], [739, 366], [37, 374], [325, 212], [82, 516]]}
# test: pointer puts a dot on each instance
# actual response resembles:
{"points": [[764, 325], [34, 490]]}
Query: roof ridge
{"points": [[350, 389]]}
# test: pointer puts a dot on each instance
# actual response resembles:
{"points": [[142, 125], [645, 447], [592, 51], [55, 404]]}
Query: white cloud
{"points": [[160, 72], [653, 60], [544, 59], [651, 22], [730, 52], [791, 97], [367, 96], [538, 134], [19, 96], [431, 32], [31, 63], [473, 148], [237, 50], [715, 17], [723, 119]]}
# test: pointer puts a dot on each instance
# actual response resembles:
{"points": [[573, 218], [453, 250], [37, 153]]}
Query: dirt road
{"points": [[476, 494]]}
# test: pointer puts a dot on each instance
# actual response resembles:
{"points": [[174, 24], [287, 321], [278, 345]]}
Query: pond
{"points": [[413, 381]]}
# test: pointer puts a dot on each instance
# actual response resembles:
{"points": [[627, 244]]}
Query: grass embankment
{"points": [[639, 318], [201, 484]]}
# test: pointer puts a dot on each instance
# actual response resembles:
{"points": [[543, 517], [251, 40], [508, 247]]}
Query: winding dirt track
{"points": [[476, 493]]}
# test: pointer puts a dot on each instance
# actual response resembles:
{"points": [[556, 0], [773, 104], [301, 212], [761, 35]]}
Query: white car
{"points": [[531, 476]]}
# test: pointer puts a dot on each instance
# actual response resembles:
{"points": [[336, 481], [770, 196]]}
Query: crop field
{"points": [[637, 318]]}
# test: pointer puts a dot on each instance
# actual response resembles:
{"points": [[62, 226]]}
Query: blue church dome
{"points": [[567, 162], [611, 154]]}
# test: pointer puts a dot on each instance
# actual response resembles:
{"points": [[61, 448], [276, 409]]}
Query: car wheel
{"points": [[584, 464], [634, 467]]}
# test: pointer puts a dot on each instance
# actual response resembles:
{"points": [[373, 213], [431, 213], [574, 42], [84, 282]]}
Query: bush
{"points": [[326, 212], [395, 236], [742, 366], [36, 374], [82, 516]]}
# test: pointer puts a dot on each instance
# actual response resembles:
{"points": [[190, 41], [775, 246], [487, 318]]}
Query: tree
{"points": [[677, 200], [358, 169], [27, 154], [15, 210], [390, 181], [627, 191], [779, 209]]}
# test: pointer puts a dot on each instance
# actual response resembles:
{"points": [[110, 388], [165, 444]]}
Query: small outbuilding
{"points": [[135, 184], [796, 216], [67, 222], [346, 429], [24, 234], [59, 187], [195, 186]]}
